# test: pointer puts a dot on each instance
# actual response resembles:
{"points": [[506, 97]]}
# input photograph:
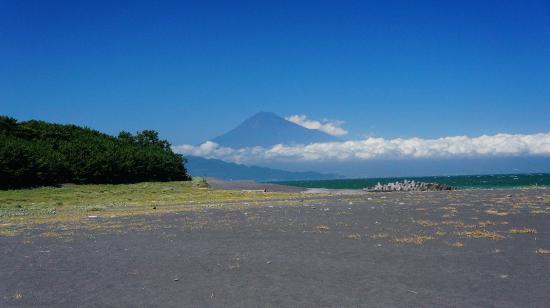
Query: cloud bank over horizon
{"points": [[332, 128], [499, 145]]}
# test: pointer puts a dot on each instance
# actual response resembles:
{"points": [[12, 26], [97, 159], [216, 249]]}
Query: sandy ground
{"points": [[459, 248], [252, 185]]}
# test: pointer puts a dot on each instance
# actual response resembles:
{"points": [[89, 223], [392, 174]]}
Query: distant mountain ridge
{"points": [[267, 129], [264, 129], [199, 166]]}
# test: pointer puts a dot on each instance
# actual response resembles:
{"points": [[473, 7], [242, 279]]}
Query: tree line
{"points": [[37, 153]]}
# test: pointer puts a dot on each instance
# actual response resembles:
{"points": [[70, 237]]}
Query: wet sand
{"points": [[459, 248]]}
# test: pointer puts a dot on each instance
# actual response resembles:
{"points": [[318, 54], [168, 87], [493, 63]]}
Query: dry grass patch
{"points": [[486, 223], [426, 223], [323, 228], [496, 212], [452, 222], [523, 231], [450, 209], [379, 235], [540, 211], [50, 234], [354, 236], [8, 233], [416, 239], [457, 224], [481, 234]]}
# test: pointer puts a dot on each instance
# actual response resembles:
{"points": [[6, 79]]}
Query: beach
{"points": [[452, 248]]}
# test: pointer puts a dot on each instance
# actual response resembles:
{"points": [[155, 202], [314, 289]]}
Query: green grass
{"points": [[70, 202]]}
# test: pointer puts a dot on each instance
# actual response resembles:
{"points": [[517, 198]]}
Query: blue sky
{"points": [[193, 70]]}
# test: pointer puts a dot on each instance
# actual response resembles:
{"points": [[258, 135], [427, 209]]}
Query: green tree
{"points": [[39, 153]]}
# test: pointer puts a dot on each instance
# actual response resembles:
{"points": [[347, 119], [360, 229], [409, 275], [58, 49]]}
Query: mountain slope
{"points": [[267, 129], [198, 166]]}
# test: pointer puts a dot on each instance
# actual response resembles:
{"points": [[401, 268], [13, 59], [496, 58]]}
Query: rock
{"points": [[407, 185]]}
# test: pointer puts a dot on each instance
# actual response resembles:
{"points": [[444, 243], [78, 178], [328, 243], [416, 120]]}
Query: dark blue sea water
{"points": [[459, 181]]}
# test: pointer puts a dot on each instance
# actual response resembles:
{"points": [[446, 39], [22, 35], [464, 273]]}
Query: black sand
{"points": [[462, 248]]}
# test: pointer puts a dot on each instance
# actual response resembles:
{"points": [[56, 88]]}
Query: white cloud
{"points": [[380, 148], [330, 127]]}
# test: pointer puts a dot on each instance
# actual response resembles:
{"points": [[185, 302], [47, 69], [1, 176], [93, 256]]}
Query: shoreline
{"points": [[507, 181], [274, 187]]}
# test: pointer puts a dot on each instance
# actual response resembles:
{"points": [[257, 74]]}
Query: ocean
{"points": [[458, 181]]}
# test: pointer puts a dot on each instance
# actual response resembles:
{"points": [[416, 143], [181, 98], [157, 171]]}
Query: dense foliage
{"points": [[34, 153]]}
